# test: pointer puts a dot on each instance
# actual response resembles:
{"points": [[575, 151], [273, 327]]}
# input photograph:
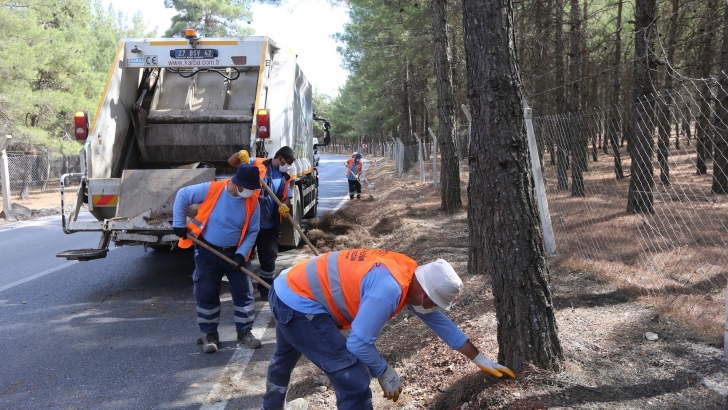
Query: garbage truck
{"points": [[172, 112]]}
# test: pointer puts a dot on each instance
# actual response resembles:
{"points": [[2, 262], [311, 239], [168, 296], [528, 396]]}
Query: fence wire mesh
{"points": [[34, 174], [681, 248]]}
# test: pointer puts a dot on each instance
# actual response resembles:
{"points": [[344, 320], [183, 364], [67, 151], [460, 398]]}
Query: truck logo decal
{"points": [[150, 60], [135, 61]]}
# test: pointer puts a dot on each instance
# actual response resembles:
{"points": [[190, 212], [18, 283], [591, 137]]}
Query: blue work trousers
{"points": [[207, 278], [316, 337]]}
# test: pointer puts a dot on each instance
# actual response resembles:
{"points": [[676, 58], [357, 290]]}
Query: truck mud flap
{"points": [[83, 254]]}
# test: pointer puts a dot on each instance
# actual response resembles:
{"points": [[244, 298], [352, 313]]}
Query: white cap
{"points": [[440, 282]]}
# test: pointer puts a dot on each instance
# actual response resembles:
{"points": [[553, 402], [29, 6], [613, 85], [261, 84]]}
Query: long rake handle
{"points": [[290, 218], [228, 260]]}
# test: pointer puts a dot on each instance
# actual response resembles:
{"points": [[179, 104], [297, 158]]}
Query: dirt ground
{"points": [[609, 363]]}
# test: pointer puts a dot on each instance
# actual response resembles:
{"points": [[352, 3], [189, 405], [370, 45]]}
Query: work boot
{"points": [[212, 341], [351, 196], [248, 340], [358, 197], [298, 404]]}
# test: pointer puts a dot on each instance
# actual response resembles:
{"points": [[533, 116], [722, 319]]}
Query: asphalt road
{"points": [[120, 332]]}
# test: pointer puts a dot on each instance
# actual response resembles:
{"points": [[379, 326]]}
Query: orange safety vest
{"points": [[348, 166], [197, 224], [263, 170], [334, 279]]}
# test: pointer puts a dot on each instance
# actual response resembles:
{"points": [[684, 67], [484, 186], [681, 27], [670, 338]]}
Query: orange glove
{"points": [[491, 367], [284, 210], [244, 157], [389, 380]]}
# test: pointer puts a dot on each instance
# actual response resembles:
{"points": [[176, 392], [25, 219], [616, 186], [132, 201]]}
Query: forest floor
{"points": [[608, 361]]}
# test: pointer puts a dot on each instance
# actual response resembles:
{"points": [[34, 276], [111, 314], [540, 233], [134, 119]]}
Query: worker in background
{"points": [[353, 172], [228, 220], [274, 172], [360, 289]]}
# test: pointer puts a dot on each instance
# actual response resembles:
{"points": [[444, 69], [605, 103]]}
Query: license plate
{"points": [[193, 53]]}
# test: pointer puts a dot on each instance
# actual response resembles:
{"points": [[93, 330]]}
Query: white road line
{"points": [[41, 274], [343, 201], [238, 362], [36, 276]]}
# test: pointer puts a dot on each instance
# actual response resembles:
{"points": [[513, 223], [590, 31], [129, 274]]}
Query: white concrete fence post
{"points": [[5, 179], [543, 205], [422, 161]]}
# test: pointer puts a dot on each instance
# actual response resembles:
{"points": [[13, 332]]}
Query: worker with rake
{"points": [[228, 221], [274, 172], [353, 172], [360, 289]]}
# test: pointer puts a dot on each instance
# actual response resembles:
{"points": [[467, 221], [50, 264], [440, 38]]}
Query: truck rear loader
{"points": [[172, 112]]}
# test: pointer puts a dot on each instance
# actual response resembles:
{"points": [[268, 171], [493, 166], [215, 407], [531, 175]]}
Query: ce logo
{"points": [[150, 60]]}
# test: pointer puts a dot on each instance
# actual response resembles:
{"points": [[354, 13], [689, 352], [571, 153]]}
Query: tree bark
{"points": [[720, 164], [665, 114], [640, 198], [505, 239], [615, 128], [576, 132], [450, 165]]}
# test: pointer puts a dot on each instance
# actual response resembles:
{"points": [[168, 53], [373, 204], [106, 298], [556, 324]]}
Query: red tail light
{"points": [[263, 122], [81, 125]]}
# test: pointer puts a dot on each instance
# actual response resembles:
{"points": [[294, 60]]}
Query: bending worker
{"points": [[227, 219], [274, 172], [353, 172], [359, 289]]}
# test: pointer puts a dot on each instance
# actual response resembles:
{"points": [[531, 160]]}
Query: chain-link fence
{"points": [[30, 174], [680, 247]]}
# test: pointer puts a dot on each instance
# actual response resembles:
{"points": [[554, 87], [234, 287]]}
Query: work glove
{"points": [[239, 261], [243, 156], [284, 210], [181, 232], [491, 367], [389, 380]]}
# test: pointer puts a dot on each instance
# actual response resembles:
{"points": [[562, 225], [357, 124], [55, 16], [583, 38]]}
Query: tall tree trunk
{"points": [[703, 132], [720, 164], [450, 172], [614, 119], [665, 115], [562, 156], [505, 239], [640, 197], [576, 132]]}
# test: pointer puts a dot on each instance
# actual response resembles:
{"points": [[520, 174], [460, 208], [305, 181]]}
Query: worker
{"points": [[360, 289], [274, 171], [353, 173], [228, 220]]}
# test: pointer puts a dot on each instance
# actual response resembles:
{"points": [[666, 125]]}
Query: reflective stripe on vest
{"points": [[197, 224], [334, 279]]}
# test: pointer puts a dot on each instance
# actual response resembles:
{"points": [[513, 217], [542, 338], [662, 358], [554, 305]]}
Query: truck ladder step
{"points": [[83, 254]]}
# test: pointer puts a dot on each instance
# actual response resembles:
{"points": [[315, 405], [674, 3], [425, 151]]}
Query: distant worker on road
{"points": [[228, 220], [360, 289], [353, 173], [274, 172]]}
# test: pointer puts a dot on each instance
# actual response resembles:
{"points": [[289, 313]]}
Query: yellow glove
{"points": [[491, 367], [284, 210], [243, 156], [391, 386]]}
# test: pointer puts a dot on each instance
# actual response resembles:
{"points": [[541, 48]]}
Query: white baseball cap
{"points": [[440, 282]]}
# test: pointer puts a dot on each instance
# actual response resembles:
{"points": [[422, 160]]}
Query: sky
{"points": [[305, 26]]}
